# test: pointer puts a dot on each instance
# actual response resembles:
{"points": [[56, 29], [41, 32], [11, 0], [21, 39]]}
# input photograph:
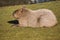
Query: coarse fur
{"points": [[35, 18]]}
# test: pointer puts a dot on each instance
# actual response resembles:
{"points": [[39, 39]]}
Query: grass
{"points": [[16, 33]]}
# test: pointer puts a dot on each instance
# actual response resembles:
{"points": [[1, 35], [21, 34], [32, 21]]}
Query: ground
{"points": [[16, 33]]}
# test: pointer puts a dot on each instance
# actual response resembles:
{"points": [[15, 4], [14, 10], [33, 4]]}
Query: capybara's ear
{"points": [[24, 9]]}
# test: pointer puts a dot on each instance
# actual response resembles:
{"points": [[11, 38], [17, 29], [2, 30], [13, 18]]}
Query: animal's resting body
{"points": [[35, 18]]}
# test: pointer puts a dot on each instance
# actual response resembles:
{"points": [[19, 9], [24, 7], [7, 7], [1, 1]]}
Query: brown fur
{"points": [[35, 18]]}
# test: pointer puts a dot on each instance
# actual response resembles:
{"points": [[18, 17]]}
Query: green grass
{"points": [[16, 33]]}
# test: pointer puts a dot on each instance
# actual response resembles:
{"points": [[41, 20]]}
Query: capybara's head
{"points": [[20, 12]]}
